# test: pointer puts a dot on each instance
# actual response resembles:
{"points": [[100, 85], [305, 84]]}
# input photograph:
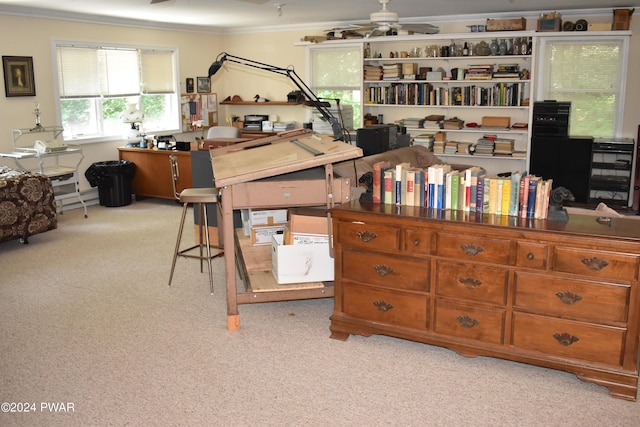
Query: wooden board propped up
{"points": [[266, 157]]}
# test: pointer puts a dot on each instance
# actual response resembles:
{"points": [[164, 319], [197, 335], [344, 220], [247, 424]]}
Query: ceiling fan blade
{"points": [[158, 1], [421, 28], [254, 1]]}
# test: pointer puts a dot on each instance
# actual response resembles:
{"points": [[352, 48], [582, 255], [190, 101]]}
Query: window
{"points": [[590, 72], [96, 84], [336, 73]]}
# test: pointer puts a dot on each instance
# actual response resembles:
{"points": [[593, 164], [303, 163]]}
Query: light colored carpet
{"points": [[86, 317]]}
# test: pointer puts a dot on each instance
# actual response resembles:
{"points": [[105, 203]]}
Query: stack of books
{"points": [[433, 121], [391, 71], [479, 72], [485, 145], [507, 71], [412, 122], [372, 72], [450, 147], [424, 139], [503, 147]]}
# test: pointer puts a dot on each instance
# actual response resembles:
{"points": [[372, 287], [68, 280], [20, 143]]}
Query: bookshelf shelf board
{"points": [[280, 103]]}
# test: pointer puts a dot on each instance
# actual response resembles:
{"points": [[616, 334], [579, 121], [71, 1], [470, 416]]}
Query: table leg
{"points": [[233, 317]]}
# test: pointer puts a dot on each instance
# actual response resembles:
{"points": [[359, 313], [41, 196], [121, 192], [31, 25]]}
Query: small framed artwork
{"points": [[204, 85], [18, 76], [189, 84]]}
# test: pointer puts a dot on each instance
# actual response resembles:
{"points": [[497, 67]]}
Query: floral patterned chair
{"points": [[27, 204]]}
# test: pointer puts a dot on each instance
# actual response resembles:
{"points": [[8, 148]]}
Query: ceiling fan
{"points": [[385, 22]]}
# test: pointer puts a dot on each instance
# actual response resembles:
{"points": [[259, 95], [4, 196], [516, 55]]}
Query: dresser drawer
{"points": [[417, 241], [391, 307], [474, 248], [369, 236], [578, 299], [566, 338], [592, 263], [385, 270], [532, 255], [470, 322], [473, 282]]}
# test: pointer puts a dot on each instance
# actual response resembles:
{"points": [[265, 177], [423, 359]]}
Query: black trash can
{"points": [[113, 179]]}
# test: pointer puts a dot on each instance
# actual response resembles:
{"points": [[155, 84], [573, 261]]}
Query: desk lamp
{"points": [[134, 116], [290, 72]]}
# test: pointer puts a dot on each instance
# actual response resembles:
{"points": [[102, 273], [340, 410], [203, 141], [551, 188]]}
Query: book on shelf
{"points": [[378, 180]]}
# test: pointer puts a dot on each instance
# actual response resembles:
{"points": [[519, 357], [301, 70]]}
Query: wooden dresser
{"points": [[562, 295]]}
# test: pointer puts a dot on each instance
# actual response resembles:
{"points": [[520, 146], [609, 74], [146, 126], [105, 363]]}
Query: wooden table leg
{"points": [[233, 317]]}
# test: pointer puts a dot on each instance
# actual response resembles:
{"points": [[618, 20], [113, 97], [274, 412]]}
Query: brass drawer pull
{"points": [[382, 269], [383, 306], [470, 282], [568, 297], [416, 242], [566, 339], [366, 236], [467, 321], [471, 249], [530, 256], [594, 263]]}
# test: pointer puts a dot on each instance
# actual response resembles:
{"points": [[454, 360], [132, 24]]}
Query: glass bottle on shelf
{"points": [[524, 49], [502, 47], [367, 50], [516, 46], [494, 47]]}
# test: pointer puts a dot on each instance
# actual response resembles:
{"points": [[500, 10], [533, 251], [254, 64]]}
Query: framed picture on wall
{"points": [[18, 76], [204, 85]]}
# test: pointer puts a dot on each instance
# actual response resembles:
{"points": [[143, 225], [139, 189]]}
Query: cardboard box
{"points": [[300, 263], [261, 235], [267, 216], [307, 224], [622, 18], [518, 24], [599, 26], [496, 121]]}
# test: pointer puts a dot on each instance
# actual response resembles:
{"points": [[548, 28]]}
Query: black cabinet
{"points": [[611, 172], [566, 160]]}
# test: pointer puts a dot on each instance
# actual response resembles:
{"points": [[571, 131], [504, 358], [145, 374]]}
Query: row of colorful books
{"points": [[502, 94], [471, 190]]}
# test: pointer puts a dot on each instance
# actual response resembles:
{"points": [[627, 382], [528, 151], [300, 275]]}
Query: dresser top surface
{"points": [[582, 225]]}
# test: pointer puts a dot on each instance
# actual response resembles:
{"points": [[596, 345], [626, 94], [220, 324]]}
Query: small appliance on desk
{"points": [[254, 121]]}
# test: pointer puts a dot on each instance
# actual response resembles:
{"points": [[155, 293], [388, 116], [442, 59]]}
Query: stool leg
{"points": [[175, 253], [200, 235], [206, 232]]}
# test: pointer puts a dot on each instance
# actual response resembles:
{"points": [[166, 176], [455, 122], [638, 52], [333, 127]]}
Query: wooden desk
{"points": [[153, 177], [245, 178]]}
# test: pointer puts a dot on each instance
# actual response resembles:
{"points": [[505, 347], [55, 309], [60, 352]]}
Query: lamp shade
{"points": [[132, 114]]}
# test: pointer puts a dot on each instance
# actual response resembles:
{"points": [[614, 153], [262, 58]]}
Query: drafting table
{"points": [[265, 173]]}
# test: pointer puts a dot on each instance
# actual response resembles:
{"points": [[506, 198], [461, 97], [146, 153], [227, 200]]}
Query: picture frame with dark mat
{"points": [[18, 76]]}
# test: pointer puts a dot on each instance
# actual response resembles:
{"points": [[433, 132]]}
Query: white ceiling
{"points": [[236, 15]]}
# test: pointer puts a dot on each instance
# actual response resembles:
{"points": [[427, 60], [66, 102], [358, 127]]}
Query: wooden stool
{"points": [[197, 197]]}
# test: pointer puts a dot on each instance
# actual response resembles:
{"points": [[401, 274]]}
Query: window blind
{"points": [[91, 72], [590, 73]]}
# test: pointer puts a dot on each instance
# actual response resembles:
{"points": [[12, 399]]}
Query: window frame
{"points": [[175, 98], [543, 71], [356, 46]]}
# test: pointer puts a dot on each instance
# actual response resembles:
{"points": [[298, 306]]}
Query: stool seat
{"points": [[199, 198], [198, 195]]}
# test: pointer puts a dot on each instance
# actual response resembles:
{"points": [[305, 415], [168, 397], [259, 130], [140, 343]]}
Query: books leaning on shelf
{"points": [[471, 190]]}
